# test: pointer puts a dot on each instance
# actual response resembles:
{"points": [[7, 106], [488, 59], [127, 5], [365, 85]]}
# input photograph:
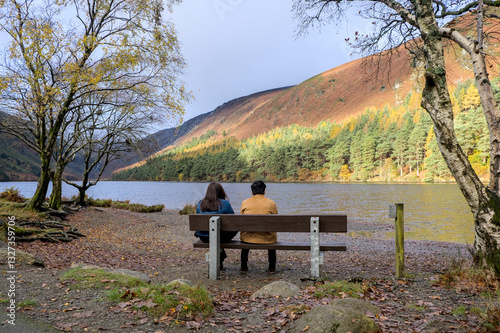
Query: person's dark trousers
{"points": [[271, 255], [226, 238]]}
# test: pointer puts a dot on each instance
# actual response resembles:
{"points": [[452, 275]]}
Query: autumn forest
{"points": [[395, 143]]}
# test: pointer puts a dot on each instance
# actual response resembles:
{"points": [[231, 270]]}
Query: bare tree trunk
{"points": [[56, 195], [81, 196], [43, 184], [484, 204], [82, 189]]}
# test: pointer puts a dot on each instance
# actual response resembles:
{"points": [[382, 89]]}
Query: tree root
{"points": [[45, 231], [57, 213], [44, 224]]}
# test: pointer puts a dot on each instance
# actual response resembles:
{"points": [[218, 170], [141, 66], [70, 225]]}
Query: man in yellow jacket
{"points": [[258, 204]]}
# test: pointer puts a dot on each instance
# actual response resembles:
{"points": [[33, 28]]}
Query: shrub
{"points": [[12, 194], [188, 209], [463, 275]]}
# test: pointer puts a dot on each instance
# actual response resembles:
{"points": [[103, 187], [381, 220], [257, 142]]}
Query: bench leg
{"points": [[214, 249], [315, 254]]}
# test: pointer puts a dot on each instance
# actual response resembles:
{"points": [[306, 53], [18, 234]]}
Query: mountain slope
{"points": [[335, 95]]}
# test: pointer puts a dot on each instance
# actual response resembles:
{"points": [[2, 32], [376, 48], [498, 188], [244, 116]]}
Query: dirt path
{"points": [[160, 245]]}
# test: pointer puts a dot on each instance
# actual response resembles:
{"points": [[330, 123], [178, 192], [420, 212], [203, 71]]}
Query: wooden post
{"points": [[400, 239]]}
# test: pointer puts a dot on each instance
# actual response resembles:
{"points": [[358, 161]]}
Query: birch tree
{"points": [[423, 22], [61, 52]]}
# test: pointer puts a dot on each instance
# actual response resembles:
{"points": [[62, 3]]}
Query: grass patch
{"points": [[460, 311], [98, 277], [125, 205], [492, 317], [415, 307], [145, 209], [188, 209], [100, 202], [168, 302], [27, 303], [340, 289], [19, 210]]}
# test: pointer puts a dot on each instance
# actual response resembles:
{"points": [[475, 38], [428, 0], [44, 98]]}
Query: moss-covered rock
{"points": [[342, 315], [278, 288], [21, 257]]}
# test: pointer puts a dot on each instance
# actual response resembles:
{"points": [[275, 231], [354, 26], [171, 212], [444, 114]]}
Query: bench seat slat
{"points": [[269, 223], [330, 246]]}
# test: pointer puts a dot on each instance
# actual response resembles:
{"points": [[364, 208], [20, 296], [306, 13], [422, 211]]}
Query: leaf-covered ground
{"points": [[160, 245]]}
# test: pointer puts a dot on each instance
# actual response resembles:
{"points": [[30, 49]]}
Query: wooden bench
{"points": [[313, 224]]}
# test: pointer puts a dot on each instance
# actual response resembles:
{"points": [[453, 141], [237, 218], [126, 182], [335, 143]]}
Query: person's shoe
{"points": [[244, 269], [271, 270]]}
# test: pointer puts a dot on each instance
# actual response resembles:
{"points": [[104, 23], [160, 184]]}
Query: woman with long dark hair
{"points": [[215, 202]]}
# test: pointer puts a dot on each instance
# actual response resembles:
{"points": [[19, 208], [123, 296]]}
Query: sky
{"points": [[234, 48]]}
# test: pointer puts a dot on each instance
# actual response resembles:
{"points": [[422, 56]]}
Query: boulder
{"points": [[278, 288], [342, 315], [21, 257]]}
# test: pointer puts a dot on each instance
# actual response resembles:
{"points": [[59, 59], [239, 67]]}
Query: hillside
{"points": [[336, 95], [358, 121], [165, 139], [18, 162]]}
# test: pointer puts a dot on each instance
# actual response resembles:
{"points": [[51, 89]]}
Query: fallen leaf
{"points": [[65, 327], [85, 314], [193, 324], [148, 304]]}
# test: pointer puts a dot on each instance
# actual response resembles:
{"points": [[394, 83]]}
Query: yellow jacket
{"points": [[258, 204]]}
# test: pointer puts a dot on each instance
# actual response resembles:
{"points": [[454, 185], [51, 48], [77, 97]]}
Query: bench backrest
{"points": [[269, 223]]}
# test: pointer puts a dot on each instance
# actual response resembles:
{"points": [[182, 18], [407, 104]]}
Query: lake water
{"points": [[432, 211]]}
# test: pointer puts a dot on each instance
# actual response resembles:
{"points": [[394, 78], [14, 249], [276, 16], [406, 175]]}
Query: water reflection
{"points": [[432, 211]]}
